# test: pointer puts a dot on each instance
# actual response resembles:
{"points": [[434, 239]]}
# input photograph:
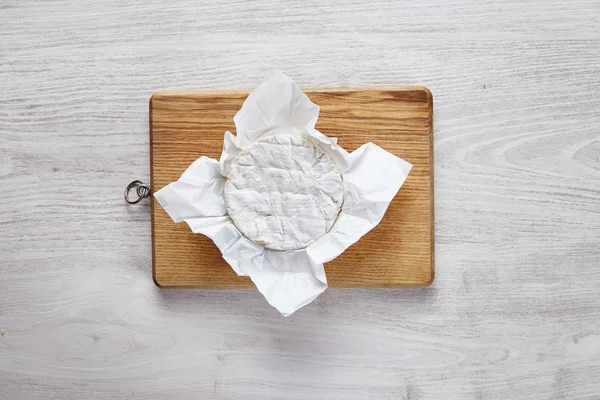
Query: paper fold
{"points": [[288, 279]]}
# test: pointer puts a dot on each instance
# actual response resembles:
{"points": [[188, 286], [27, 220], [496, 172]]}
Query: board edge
{"points": [[152, 190]]}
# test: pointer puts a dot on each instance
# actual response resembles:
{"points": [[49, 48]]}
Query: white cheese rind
{"points": [[283, 192]]}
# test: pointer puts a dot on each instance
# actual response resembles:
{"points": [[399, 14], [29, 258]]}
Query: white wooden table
{"points": [[514, 311]]}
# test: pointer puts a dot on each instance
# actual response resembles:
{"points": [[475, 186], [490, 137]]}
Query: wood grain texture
{"points": [[514, 311], [398, 252]]}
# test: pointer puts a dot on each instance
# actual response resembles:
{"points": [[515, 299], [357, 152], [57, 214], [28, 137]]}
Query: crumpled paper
{"points": [[292, 279]]}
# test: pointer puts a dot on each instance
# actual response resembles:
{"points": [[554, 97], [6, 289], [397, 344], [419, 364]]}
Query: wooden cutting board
{"points": [[399, 252]]}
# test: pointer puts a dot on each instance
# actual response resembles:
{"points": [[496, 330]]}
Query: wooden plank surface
{"points": [[398, 252], [514, 311]]}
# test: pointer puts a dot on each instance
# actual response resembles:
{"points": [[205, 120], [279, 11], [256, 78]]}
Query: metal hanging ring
{"points": [[141, 189]]}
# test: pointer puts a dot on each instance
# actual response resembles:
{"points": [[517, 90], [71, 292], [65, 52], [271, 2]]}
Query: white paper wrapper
{"points": [[289, 280]]}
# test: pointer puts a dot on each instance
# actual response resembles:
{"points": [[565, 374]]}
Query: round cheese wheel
{"points": [[283, 192]]}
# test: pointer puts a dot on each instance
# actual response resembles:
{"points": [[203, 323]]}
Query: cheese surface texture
{"points": [[283, 192]]}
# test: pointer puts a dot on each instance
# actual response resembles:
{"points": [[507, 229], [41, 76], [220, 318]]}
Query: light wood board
{"points": [[514, 311], [398, 252]]}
